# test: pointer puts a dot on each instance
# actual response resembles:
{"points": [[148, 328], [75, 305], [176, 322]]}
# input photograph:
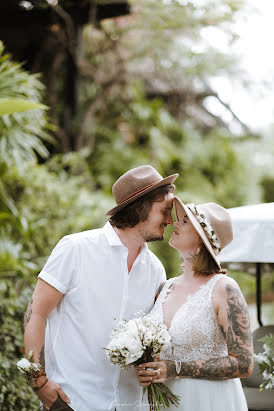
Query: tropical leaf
{"points": [[17, 105], [23, 122]]}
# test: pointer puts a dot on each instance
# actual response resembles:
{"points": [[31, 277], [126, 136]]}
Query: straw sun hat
{"points": [[212, 223], [135, 183]]}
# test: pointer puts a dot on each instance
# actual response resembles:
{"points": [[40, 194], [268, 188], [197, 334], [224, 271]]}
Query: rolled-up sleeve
{"points": [[60, 269]]}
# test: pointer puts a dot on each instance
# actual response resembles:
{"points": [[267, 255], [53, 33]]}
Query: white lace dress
{"points": [[196, 335]]}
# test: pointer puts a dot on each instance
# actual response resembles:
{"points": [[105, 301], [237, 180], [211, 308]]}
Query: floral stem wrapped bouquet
{"points": [[139, 341], [32, 371]]}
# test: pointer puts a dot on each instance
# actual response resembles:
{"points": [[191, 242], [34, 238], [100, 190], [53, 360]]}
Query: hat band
{"points": [[137, 192], [210, 233]]}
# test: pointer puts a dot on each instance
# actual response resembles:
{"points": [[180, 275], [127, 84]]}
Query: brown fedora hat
{"points": [[135, 183], [212, 223]]}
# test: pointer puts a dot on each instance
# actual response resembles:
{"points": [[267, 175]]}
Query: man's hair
{"points": [[205, 264], [138, 211]]}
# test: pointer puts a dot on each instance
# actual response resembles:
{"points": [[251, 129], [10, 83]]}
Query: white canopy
{"points": [[253, 228]]}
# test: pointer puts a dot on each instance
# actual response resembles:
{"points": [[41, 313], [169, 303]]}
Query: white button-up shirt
{"points": [[90, 269]]}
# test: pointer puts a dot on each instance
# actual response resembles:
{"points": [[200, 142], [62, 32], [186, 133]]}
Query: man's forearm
{"points": [[213, 369], [34, 337]]}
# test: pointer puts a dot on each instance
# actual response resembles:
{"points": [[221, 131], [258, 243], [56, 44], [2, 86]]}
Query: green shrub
{"points": [[15, 393]]}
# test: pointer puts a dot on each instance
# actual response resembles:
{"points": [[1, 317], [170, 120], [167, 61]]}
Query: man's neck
{"points": [[132, 240]]}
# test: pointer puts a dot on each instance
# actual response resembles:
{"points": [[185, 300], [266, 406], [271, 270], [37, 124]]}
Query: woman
{"points": [[206, 315]]}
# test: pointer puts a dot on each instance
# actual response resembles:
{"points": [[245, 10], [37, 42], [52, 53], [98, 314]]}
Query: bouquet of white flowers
{"points": [[138, 341], [31, 369], [265, 360], [27, 367]]}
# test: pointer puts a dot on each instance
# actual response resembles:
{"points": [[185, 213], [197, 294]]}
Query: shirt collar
{"points": [[113, 238]]}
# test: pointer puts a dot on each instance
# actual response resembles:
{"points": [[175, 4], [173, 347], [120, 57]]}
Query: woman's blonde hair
{"points": [[204, 263]]}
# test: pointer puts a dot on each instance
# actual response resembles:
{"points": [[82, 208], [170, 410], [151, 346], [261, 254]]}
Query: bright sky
{"points": [[254, 106]]}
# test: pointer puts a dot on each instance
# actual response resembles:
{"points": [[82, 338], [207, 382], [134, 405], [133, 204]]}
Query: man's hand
{"points": [[49, 392]]}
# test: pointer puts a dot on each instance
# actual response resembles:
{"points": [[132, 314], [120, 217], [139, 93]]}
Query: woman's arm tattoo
{"points": [[238, 333], [239, 342], [220, 368]]}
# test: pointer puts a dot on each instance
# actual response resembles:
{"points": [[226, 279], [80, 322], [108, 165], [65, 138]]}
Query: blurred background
{"points": [[186, 86]]}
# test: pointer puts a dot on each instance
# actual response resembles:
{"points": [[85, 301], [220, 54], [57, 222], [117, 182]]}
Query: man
{"points": [[91, 280]]}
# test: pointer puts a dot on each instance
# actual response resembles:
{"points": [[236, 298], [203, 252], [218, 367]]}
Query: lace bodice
{"points": [[195, 331]]}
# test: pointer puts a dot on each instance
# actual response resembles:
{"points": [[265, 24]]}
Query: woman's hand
{"points": [[153, 372]]}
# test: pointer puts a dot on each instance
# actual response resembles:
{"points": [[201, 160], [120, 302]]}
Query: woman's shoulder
{"points": [[225, 286], [226, 293]]}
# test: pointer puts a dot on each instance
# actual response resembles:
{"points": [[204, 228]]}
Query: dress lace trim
{"points": [[194, 329]]}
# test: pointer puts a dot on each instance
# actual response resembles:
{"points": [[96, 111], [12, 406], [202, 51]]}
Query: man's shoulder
{"points": [[83, 236]]}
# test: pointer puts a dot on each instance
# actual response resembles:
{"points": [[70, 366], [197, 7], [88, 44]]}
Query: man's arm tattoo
{"points": [[28, 313], [42, 358], [239, 342]]}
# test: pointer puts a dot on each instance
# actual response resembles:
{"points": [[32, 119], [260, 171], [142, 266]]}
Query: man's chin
{"points": [[154, 238]]}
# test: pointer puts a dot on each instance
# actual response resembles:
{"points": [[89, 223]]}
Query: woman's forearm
{"points": [[221, 368]]}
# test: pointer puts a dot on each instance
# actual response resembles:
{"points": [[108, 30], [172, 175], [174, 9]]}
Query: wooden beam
{"points": [[258, 291]]}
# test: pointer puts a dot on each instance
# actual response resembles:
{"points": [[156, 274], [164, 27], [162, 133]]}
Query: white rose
{"points": [[134, 345], [132, 328], [23, 365], [130, 358], [119, 342]]}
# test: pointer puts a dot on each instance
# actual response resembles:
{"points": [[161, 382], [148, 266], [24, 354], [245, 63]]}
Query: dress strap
{"points": [[167, 288], [212, 282]]}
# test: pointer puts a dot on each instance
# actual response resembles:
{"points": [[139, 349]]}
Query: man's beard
{"points": [[149, 237], [153, 238]]}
